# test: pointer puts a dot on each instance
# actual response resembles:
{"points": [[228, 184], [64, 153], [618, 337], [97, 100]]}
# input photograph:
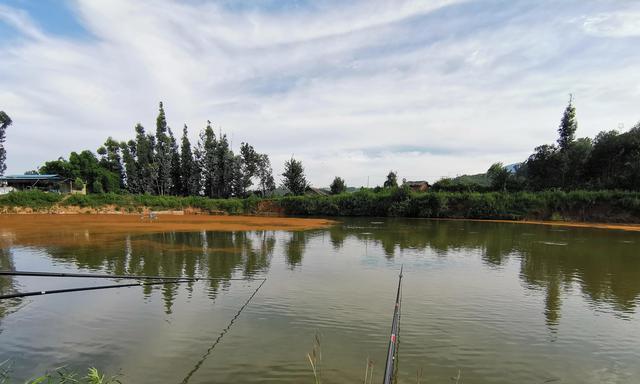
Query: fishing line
{"points": [[224, 332], [103, 276], [160, 280], [67, 290]]}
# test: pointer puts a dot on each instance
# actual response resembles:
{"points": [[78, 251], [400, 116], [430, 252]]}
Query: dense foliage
{"points": [[609, 161], [157, 165], [338, 186], [549, 205], [293, 178]]}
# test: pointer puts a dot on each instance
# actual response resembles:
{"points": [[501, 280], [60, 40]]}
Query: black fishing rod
{"points": [[155, 280], [392, 352], [66, 290], [99, 276]]}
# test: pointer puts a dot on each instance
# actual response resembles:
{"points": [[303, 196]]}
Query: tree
{"points": [[206, 159], [392, 180], [176, 179], [5, 122], [132, 173], [542, 168], [294, 179], [85, 166], [111, 158], [189, 170], [499, 175], [145, 160], [568, 126], [223, 168], [162, 154], [338, 186], [265, 175]]}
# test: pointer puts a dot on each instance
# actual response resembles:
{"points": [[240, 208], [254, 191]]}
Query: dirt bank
{"points": [[624, 227], [37, 229]]}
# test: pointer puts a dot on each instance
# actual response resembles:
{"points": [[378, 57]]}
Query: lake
{"points": [[491, 302]]}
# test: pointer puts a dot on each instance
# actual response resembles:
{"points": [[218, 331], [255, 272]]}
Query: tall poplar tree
{"points": [[568, 126], [176, 180], [144, 155], [189, 170], [5, 122], [162, 154], [223, 168], [206, 158]]}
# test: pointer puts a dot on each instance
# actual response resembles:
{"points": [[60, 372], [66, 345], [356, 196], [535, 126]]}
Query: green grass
{"points": [[60, 375], [605, 206]]}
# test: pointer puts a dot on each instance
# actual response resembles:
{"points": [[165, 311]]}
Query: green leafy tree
{"points": [[542, 168], [392, 180], [294, 179], [264, 171], [132, 172], [499, 175], [5, 122], [85, 166], [338, 186], [111, 158]]}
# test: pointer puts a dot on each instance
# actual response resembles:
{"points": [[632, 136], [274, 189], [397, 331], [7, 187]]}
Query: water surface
{"points": [[497, 302]]}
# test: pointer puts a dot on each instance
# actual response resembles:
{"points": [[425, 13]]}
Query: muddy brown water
{"points": [[495, 302]]}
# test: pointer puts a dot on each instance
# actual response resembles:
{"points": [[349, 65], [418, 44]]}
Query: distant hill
{"points": [[478, 179]]}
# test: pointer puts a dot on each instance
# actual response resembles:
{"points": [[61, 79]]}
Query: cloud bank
{"points": [[354, 89]]}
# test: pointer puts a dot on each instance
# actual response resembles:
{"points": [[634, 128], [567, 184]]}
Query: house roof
{"points": [[32, 178]]}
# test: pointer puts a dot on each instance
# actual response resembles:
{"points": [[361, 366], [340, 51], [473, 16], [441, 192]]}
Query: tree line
{"points": [[158, 164], [611, 161]]}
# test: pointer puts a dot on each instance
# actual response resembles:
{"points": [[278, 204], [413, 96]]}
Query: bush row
{"points": [[606, 206], [617, 206]]}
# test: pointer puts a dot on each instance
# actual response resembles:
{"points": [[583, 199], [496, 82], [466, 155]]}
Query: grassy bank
{"points": [[594, 206], [43, 202]]}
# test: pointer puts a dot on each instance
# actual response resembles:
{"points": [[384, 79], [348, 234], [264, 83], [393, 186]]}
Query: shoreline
{"points": [[574, 224], [183, 221]]}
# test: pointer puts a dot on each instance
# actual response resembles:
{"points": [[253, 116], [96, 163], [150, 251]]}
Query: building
{"points": [[47, 183], [312, 191], [418, 186]]}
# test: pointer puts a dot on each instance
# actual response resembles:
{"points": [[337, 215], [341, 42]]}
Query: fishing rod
{"points": [[102, 276], [155, 280], [66, 290], [392, 351]]}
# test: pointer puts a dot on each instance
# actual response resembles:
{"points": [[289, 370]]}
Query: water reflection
{"points": [[217, 255], [603, 265]]}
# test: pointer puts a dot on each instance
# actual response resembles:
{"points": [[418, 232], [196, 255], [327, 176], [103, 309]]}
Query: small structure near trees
{"points": [[47, 183], [418, 186]]}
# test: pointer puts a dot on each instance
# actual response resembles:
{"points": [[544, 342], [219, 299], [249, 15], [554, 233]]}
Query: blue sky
{"points": [[427, 88]]}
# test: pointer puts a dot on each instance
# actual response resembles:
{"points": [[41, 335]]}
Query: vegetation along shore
{"points": [[574, 179]]}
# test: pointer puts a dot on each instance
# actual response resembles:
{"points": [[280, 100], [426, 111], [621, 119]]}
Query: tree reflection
{"points": [[603, 264], [7, 283], [216, 255]]}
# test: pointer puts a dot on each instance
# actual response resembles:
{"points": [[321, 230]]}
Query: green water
{"points": [[497, 302]]}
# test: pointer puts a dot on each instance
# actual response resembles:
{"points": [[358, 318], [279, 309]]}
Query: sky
{"points": [[352, 89]]}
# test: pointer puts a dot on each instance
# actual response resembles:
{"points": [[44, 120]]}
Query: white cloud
{"points": [[432, 88], [614, 24]]}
